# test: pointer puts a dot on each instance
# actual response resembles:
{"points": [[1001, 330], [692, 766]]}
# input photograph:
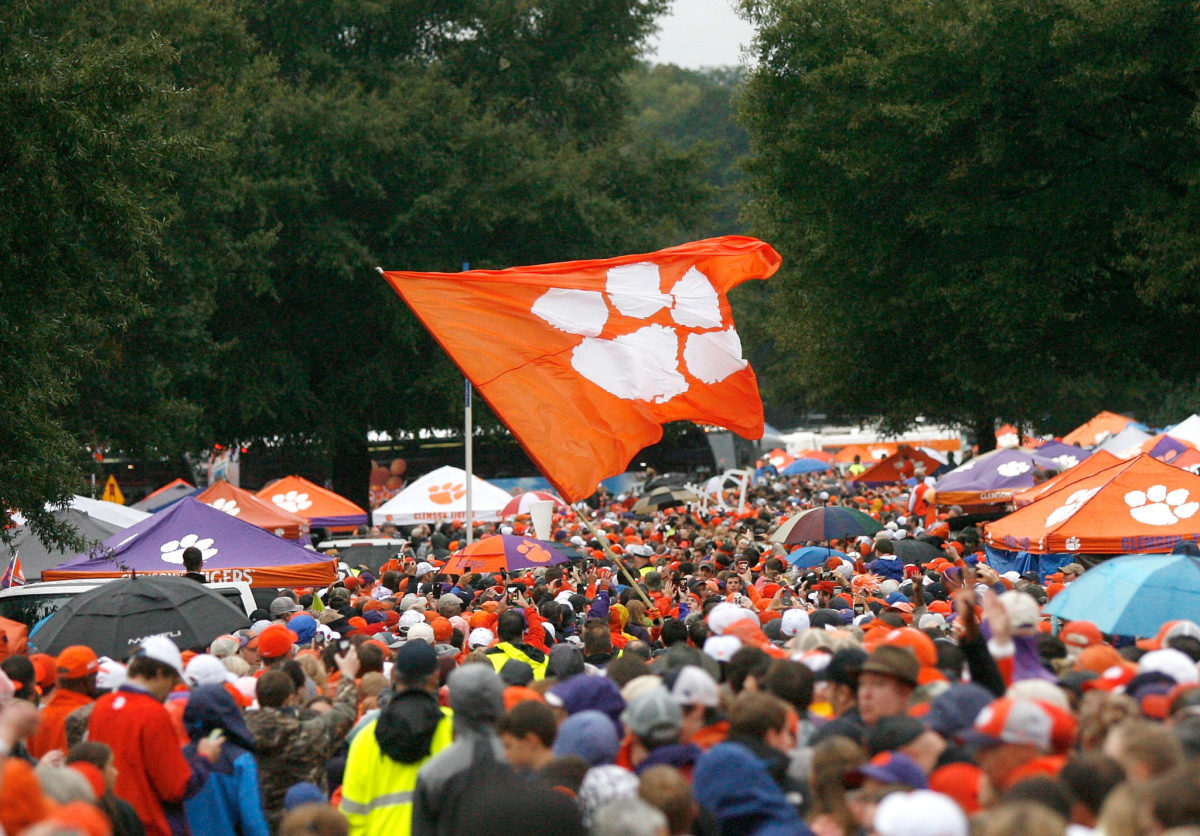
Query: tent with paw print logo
{"points": [[442, 495], [232, 551], [247, 507], [1141, 505], [993, 478], [322, 508]]}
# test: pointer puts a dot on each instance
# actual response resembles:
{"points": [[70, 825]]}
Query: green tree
{"points": [[84, 154], [425, 136], [985, 207]]}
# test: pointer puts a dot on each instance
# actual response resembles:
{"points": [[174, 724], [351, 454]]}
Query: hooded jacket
{"points": [[229, 800], [736, 787], [477, 697], [384, 759]]}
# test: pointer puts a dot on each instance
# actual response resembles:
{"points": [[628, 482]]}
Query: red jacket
{"points": [[152, 771], [52, 722]]}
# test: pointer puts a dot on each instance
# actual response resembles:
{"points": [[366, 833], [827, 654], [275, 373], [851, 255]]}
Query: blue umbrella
{"points": [[801, 466], [806, 557], [1133, 595]]}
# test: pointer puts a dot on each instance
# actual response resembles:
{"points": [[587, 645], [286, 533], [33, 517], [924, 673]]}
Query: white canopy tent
{"points": [[441, 495]]}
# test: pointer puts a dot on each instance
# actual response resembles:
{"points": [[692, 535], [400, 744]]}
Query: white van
{"points": [[32, 602]]}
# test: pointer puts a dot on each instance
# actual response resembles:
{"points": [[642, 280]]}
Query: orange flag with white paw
{"points": [[585, 360]]}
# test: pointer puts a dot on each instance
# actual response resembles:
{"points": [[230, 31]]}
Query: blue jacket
{"points": [[229, 802], [887, 566], [732, 784]]}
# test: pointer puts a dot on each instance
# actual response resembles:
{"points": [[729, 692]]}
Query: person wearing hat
{"points": [[886, 683], [388, 751], [840, 678], [76, 667], [655, 723], [153, 774]]}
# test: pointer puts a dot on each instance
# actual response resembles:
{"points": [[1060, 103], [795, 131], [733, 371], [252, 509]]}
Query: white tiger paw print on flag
{"points": [[1067, 510], [229, 506], [648, 363], [293, 501], [172, 550], [1158, 506]]}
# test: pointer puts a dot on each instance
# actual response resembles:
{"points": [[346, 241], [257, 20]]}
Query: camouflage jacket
{"points": [[291, 749]]}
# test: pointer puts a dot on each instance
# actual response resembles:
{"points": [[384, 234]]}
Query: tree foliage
{"points": [[985, 207], [195, 197]]}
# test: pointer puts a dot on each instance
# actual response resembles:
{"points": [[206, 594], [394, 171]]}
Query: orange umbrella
{"points": [[1100, 460], [1138, 506], [508, 552], [1095, 430]]}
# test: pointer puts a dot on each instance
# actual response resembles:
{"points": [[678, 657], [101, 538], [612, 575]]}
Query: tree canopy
{"points": [[985, 207], [195, 197]]}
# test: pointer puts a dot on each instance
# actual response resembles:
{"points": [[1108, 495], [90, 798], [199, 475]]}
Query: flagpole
{"points": [[468, 449]]}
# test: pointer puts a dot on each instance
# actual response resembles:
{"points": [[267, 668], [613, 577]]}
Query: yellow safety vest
{"points": [[499, 655]]}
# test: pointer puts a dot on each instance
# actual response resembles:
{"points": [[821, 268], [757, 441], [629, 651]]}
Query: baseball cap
{"points": [[1173, 663], [45, 670], [421, 631], [162, 649], [423, 568], [654, 716], [415, 659], [480, 637], [76, 662], [274, 641], [920, 813], [695, 686], [893, 732], [956, 708], [283, 605], [110, 675], [206, 669], [411, 617], [1081, 634], [722, 648], [794, 622], [891, 768], [844, 667], [1009, 720]]}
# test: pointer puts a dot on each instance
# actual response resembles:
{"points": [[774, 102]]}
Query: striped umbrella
{"points": [[520, 503], [829, 522]]}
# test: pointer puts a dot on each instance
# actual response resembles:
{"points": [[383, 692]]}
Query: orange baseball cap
{"points": [[442, 629], [274, 641], [45, 670], [76, 662]]}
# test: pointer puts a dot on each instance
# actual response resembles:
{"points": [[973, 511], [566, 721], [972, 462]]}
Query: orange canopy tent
{"points": [[897, 467], [1097, 429], [780, 458], [819, 455], [1188, 460], [866, 453], [1164, 447], [322, 508], [1100, 460], [1137, 506], [249, 508]]}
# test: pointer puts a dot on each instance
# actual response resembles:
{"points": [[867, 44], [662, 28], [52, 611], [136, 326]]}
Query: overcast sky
{"points": [[700, 33]]}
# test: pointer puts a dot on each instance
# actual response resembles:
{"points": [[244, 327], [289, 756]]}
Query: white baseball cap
{"points": [[480, 637], [411, 618], [162, 649], [424, 568], [206, 669], [722, 648], [695, 686], [794, 622], [421, 631]]}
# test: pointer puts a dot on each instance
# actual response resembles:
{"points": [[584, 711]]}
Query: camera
{"points": [[514, 590]]}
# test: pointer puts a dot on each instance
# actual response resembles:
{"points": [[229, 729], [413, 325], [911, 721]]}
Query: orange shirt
{"points": [[52, 722]]}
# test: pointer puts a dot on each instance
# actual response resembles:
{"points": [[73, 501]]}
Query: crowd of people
{"points": [[683, 676]]}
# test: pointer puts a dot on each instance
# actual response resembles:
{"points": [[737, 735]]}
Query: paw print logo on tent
{"points": [[1066, 461], [447, 493], [229, 506], [172, 550], [1158, 506], [294, 501], [1073, 544], [1067, 510], [1011, 469], [643, 360]]}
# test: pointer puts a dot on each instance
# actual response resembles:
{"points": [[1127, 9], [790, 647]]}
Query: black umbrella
{"points": [[660, 498], [913, 551], [115, 617]]}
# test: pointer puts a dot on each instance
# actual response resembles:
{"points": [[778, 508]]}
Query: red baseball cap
{"points": [[1081, 634]]}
